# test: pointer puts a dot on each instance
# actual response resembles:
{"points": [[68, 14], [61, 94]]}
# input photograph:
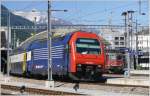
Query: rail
{"points": [[36, 91]]}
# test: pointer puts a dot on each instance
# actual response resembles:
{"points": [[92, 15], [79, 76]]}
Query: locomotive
{"points": [[114, 61], [78, 55]]}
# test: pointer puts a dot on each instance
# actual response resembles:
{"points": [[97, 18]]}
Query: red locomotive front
{"points": [[87, 55]]}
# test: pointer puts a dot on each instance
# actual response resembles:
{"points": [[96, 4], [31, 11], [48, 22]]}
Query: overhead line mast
{"points": [[49, 34]]}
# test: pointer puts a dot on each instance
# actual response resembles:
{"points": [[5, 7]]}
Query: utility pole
{"points": [[34, 25], [14, 39], [128, 31], [127, 40], [0, 39], [8, 43], [136, 38], [147, 51], [139, 6], [49, 34], [110, 19], [49, 40], [128, 47], [125, 33], [131, 35], [125, 24]]}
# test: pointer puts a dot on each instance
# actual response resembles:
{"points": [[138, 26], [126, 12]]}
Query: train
{"points": [[115, 61], [78, 55]]}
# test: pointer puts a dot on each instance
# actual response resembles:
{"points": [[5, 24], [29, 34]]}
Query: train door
{"points": [[18, 63], [4, 61], [24, 63], [3, 52], [67, 58]]}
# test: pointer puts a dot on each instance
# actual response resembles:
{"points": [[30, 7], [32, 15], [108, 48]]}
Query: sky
{"points": [[96, 12]]}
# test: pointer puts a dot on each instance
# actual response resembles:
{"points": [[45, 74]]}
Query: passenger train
{"points": [[78, 55]]}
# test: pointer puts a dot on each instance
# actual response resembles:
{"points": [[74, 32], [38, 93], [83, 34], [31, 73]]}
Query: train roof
{"points": [[43, 35], [40, 36]]}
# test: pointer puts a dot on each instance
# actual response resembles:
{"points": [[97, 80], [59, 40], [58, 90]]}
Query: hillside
{"points": [[15, 20]]}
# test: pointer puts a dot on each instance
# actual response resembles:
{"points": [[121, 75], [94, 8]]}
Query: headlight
{"points": [[79, 65], [99, 66]]}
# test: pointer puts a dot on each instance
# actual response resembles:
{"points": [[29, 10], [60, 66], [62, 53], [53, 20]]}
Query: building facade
{"points": [[115, 37]]}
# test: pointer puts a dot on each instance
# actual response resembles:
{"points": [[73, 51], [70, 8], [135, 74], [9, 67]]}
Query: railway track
{"points": [[38, 91], [35, 91], [116, 85], [106, 84], [118, 88]]}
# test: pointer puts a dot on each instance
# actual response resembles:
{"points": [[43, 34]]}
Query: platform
{"points": [[132, 80], [140, 72], [9, 81], [80, 91]]}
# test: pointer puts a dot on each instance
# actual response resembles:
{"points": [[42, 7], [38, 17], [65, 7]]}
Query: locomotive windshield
{"points": [[88, 46]]}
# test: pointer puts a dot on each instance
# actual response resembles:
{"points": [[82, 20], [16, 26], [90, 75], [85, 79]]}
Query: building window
{"points": [[121, 43], [116, 38], [121, 38], [116, 43]]}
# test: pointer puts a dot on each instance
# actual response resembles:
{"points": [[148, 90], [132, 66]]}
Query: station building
{"points": [[141, 42], [115, 37]]}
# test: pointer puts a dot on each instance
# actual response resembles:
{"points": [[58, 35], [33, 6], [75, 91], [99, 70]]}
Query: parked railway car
{"points": [[114, 61], [78, 55]]}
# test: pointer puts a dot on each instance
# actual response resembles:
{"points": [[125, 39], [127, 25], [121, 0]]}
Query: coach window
{"points": [[116, 38], [116, 43], [121, 43], [121, 38]]}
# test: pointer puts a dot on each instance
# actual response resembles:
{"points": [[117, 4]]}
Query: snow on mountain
{"points": [[32, 15], [40, 17]]}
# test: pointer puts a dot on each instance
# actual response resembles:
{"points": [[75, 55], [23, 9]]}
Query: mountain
{"points": [[41, 17], [15, 20], [26, 19], [20, 34]]}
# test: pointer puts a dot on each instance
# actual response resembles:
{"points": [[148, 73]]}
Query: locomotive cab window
{"points": [[88, 46]]}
